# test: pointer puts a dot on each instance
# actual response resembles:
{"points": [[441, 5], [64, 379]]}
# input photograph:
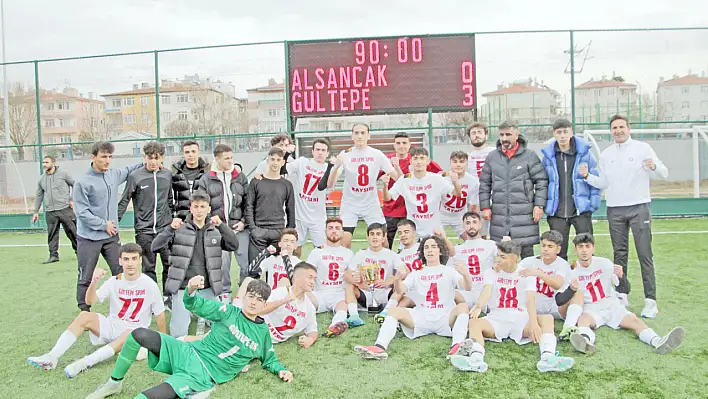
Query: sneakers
{"points": [[109, 388], [554, 362], [454, 349], [670, 341], [44, 362], [581, 344], [51, 259], [624, 299], [201, 324], [168, 303], [76, 368], [142, 354], [650, 309], [379, 318], [203, 394], [566, 332], [355, 321], [473, 362], [336, 329], [371, 352]]}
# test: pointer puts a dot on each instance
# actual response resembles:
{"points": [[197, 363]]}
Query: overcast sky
{"points": [[40, 29]]}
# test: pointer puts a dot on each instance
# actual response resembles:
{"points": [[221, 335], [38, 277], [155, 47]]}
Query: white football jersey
{"points": [[453, 207], [275, 269], [134, 301], [596, 281], [385, 258], [423, 198], [559, 267], [310, 203], [361, 171], [410, 258], [433, 288], [479, 257], [509, 290], [331, 262], [477, 159], [291, 318]]}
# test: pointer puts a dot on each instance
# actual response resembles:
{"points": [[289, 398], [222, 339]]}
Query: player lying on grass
{"points": [[358, 291], [549, 272], [512, 302], [274, 266], [436, 313], [454, 207], [134, 299], [237, 336], [592, 283], [476, 253], [331, 262]]}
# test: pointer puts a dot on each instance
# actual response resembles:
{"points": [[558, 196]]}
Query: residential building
{"points": [[599, 100], [266, 108], [683, 98]]}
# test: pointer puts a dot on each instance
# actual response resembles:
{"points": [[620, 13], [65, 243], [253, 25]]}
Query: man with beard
{"points": [[513, 189], [477, 254], [478, 133]]}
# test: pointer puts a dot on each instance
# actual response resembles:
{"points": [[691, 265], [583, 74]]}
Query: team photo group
{"points": [[205, 220]]}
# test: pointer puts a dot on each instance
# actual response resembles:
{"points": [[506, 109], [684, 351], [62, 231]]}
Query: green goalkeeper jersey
{"points": [[234, 340]]}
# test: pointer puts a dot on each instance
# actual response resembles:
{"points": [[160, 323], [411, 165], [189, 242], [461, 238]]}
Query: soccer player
{"points": [[150, 189], [478, 133], [310, 178], [550, 272], [237, 336], [133, 298], [358, 292], [436, 313], [477, 254], [395, 211], [274, 266], [594, 279], [423, 192], [331, 262], [361, 166], [512, 303], [408, 237], [454, 207]]}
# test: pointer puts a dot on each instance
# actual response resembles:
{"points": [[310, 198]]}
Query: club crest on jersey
{"points": [[213, 241]]}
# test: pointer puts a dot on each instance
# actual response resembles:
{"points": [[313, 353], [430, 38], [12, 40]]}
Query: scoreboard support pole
{"points": [[430, 132], [289, 123]]}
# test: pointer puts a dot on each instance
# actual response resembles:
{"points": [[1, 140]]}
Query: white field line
{"points": [[360, 240]]}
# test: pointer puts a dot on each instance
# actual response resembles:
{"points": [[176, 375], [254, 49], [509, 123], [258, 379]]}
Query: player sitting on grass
{"points": [[237, 336], [512, 304], [594, 279], [550, 272], [331, 262], [436, 313], [476, 253], [358, 291], [274, 266], [134, 298]]}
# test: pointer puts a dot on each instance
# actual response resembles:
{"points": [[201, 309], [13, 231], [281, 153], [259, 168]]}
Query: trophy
{"points": [[370, 273]]}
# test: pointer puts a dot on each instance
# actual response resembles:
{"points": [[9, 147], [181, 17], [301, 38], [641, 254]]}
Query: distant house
{"points": [[683, 98]]}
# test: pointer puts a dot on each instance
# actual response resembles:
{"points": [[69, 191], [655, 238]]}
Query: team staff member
{"points": [[54, 191], [185, 173], [626, 169]]}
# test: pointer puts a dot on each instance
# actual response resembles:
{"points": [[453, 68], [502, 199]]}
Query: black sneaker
{"points": [[52, 259], [168, 303]]}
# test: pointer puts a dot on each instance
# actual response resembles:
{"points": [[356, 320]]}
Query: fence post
{"points": [[572, 80], [39, 117], [157, 94], [430, 131], [696, 164]]}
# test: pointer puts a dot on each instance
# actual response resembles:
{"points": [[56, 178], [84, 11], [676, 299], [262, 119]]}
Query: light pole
{"points": [[6, 107], [641, 120]]}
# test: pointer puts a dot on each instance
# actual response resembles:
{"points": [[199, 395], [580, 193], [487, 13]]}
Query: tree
{"points": [[23, 119], [179, 128]]}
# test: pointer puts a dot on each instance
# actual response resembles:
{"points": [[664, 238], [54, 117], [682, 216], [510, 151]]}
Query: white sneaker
{"points": [[650, 309], [204, 394], [109, 388], [44, 362], [76, 368], [670, 341], [555, 362], [624, 299], [581, 344], [469, 363], [142, 354]]}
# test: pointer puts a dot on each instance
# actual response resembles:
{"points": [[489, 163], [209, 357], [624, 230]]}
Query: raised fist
{"points": [[215, 220], [98, 275]]}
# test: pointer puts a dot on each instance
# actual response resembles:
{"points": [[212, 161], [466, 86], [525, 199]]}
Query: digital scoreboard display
{"points": [[381, 75]]}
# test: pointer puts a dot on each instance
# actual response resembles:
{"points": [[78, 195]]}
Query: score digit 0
{"points": [[467, 80]]}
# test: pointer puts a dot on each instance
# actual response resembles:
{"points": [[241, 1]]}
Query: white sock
{"points": [[387, 332], [104, 353], [547, 344], [353, 309], [572, 315], [588, 333], [459, 329], [478, 350], [647, 336], [339, 315], [392, 303], [66, 339]]}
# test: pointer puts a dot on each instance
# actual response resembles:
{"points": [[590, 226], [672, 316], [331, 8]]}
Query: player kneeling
{"points": [[594, 280], [134, 298], [237, 336], [512, 315], [477, 254], [436, 313]]}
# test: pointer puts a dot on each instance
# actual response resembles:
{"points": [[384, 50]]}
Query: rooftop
{"points": [[598, 84], [684, 81]]}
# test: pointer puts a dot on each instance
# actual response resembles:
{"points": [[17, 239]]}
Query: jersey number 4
{"points": [[126, 306], [432, 295]]}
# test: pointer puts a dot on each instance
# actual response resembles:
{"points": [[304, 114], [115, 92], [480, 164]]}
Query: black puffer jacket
{"points": [[211, 183], [182, 188], [511, 188], [181, 243]]}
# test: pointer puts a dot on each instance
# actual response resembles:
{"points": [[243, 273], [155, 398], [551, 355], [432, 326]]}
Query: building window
{"points": [[63, 106], [129, 119], [49, 123], [49, 106], [670, 105], [687, 118], [597, 93], [182, 115], [685, 105], [128, 101], [51, 139], [65, 139], [145, 118], [183, 98], [686, 90], [166, 116], [611, 91], [272, 112], [165, 99], [704, 117], [669, 119], [63, 122], [93, 108], [704, 89], [116, 103], [144, 100]]}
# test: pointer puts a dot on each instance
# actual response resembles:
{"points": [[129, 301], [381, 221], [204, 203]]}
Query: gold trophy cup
{"points": [[370, 273]]}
